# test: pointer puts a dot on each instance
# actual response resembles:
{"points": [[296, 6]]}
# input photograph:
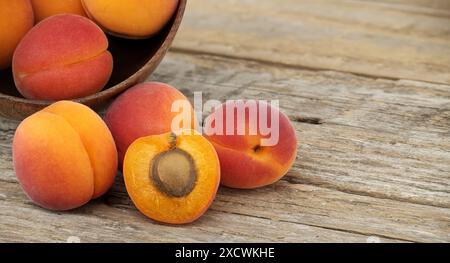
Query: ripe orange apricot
{"points": [[172, 178], [143, 110], [47, 8], [63, 57], [16, 18], [131, 18], [64, 156], [245, 162]]}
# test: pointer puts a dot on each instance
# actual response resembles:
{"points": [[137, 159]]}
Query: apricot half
{"points": [[251, 157], [64, 156], [131, 18], [16, 18], [63, 57], [172, 178], [47, 8]]}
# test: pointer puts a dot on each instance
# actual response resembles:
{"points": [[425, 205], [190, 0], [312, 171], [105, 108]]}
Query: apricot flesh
{"points": [[245, 162], [47, 8], [131, 18], [172, 178], [62, 57], [64, 156], [16, 18]]}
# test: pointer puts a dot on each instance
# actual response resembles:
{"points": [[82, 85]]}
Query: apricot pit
{"points": [[173, 172]]}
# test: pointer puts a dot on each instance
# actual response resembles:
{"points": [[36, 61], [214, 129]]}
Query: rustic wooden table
{"points": [[367, 86]]}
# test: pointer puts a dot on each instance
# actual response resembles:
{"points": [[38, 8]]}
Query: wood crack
{"points": [[317, 226], [307, 120], [193, 52], [377, 195]]}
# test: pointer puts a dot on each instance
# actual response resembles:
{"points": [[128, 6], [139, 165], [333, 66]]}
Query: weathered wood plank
{"points": [[114, 219], [378, 165], [443, 5], [376, 133], [397, 41]]}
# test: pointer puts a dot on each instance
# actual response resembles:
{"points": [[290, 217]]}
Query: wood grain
{"points": [[395, 39], [426, 4], [373, 165]]}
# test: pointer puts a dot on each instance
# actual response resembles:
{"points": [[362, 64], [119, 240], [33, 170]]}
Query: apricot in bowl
{"points": [[63, 57], [16, 18], [172, 178], [64, 156], [47, 8], [131, 18]]}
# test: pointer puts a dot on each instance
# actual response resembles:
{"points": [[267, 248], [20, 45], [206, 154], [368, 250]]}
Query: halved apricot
{"points": [[172, 178]]}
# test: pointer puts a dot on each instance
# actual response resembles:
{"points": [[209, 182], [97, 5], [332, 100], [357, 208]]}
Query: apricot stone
{"points": [[63, 57], [246, 160], [16, 18], [143, 110], [131, 18], [47, 8], [64, 156], [172, 178]]}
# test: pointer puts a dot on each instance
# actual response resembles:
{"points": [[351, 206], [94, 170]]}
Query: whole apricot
{"points": [[143, 110], [64, 156], [256, 143], [47, 8], [16, 18], [63, 57], [131, 18]]}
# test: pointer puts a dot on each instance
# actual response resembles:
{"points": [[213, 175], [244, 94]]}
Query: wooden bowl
{"points": [[134, 61]]}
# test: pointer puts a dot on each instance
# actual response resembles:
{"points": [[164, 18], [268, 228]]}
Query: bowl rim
{"points": [[125, 84]]}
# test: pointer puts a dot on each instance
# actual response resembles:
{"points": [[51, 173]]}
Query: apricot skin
{"points": [[16, 18], [143, 110], [131, 18], [63, 57], [64, 156], [247, 165], [146, 195], [46, 8]]}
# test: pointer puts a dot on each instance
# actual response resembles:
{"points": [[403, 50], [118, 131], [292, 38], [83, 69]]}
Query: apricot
{"points": [[47, 8], [247, 161], [16, 18], [63, 57], [64, 156], [131, 18], [143, 110], [173, 177]]}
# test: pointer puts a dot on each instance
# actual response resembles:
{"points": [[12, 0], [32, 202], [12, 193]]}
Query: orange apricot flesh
{"points": [[172, 178]]}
